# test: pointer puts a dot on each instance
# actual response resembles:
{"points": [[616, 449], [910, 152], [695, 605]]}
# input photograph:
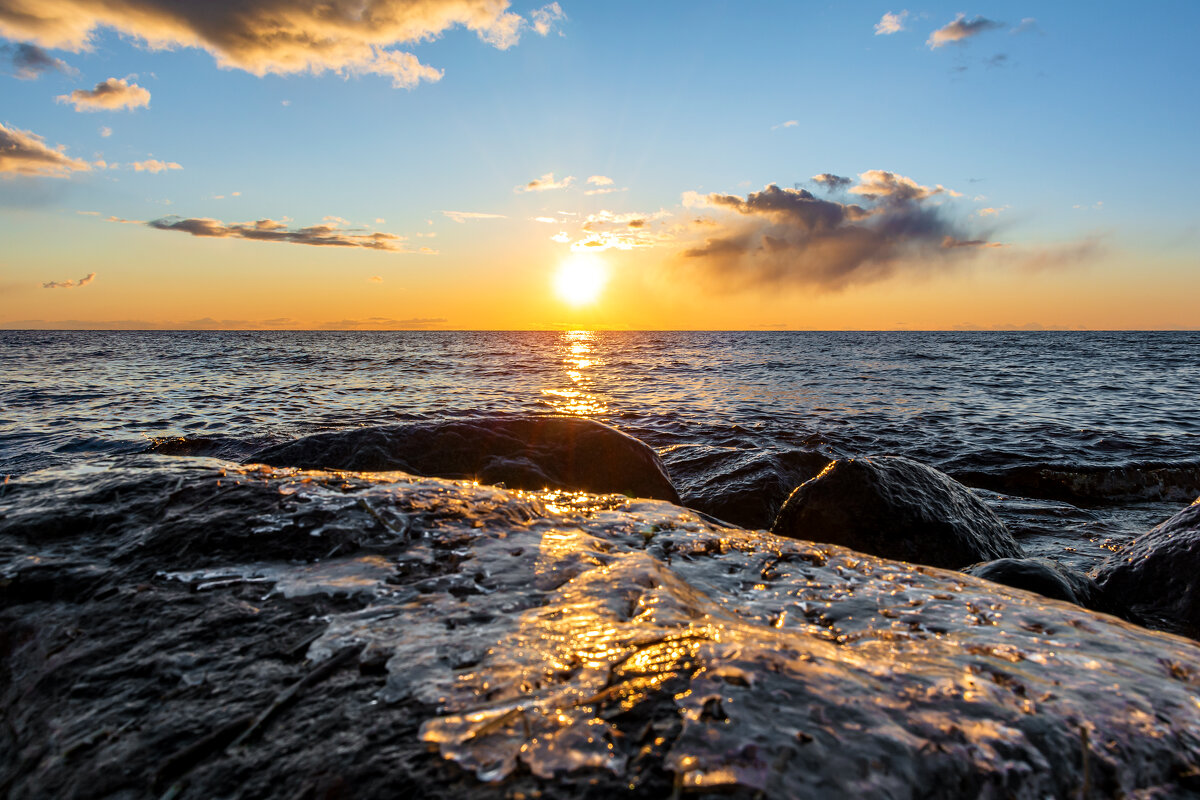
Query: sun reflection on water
{"points": [[579, 358]]}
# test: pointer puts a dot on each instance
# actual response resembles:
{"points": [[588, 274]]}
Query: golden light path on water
{"points": [[579, 358]]}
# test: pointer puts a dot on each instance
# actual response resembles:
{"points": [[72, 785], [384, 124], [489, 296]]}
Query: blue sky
{"points": [[1073, 122]]}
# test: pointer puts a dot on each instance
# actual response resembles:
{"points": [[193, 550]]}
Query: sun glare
{"points": [[580, 279]]}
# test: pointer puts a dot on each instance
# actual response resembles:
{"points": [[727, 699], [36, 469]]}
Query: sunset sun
{"points": [[580, 279]]}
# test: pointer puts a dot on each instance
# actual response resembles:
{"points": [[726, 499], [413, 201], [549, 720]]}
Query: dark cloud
{"points": [[26, 153], [831, 182], [110, 95], [277, 36], [31, 62], [789, 236], [84, 281], [960, 30], [269, 230]]}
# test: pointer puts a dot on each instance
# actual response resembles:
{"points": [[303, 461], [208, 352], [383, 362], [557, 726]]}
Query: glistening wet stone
{"points": [[563, 643]]}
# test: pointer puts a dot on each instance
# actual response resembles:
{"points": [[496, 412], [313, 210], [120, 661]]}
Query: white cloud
{"points": [[890, 23]]}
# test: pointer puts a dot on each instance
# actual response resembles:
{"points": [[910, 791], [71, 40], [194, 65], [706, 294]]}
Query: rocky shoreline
{"points": [[189, 627]]}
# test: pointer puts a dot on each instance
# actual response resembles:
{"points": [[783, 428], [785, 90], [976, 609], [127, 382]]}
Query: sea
{"points": [[1078, 440]]}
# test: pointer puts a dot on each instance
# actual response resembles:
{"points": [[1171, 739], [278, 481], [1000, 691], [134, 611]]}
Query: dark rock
{"points": [[1157, 575], [1046, 577], [745, 486], [896, 508], [488, 645], [520, 452]]}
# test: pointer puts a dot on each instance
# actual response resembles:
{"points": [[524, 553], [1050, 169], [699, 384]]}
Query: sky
{"points": [[481, 164]]}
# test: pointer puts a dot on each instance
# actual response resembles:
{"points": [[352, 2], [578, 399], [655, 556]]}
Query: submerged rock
{"points": [[271, 632], [896, 508], [520, 452], [1158, 574], [1046, 577]]}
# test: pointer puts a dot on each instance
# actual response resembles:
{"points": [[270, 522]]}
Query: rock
{"points": [[1156, 575], [520, 452], [1046, 577], [445, 640], [745, 486], [896, 508]]}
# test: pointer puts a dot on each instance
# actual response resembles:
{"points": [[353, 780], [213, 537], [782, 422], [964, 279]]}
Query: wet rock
{"points": [[896, 508], [745, 486], [520, 452], [1155, 575], [490, 644], [1046, 577]]}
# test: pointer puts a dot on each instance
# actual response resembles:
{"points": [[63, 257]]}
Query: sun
{"points": [[580, 279]]}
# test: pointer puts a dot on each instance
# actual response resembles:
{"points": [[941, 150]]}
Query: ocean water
{"points": [[1078, 440]]}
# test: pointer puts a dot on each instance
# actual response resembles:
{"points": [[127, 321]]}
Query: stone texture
{"points": [[1157, 575], [230, 631], [896, 508], [520, 452], [1046, 577]]}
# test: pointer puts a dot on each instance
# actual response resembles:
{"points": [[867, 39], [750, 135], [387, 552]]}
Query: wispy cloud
{"points": [[544, 19], [267, 36], [383, 323], [30, 62], [606, 190], [960, 30], [600, 180], [154, 165], [791, 123], [890, 23], [84, 281], [269, 230], [545, 183], [462, 216], [113, 94], [789, 236], [831, 182], [1027, 25], [26, 153]]}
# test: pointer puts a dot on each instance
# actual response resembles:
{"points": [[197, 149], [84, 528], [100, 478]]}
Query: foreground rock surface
{"points": [[184, 626], [896, 508], [1046, 577], [520, 452], [1158, 574]]}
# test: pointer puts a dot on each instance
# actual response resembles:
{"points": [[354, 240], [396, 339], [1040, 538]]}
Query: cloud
{"points": [[273, 36], [110, 95], [105, 132], [84, 281], [831, 182], [960, 30], [154, 165], [462, 216], [383, 323], [606, 190], [600, 180], [269, 230], [890, 23], [545, 183], [543, 19], [31, 62], [26, 153], [791, 237], [375, 279], [1028, 25], [791, 123], [607, 230], [876, 183]]}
